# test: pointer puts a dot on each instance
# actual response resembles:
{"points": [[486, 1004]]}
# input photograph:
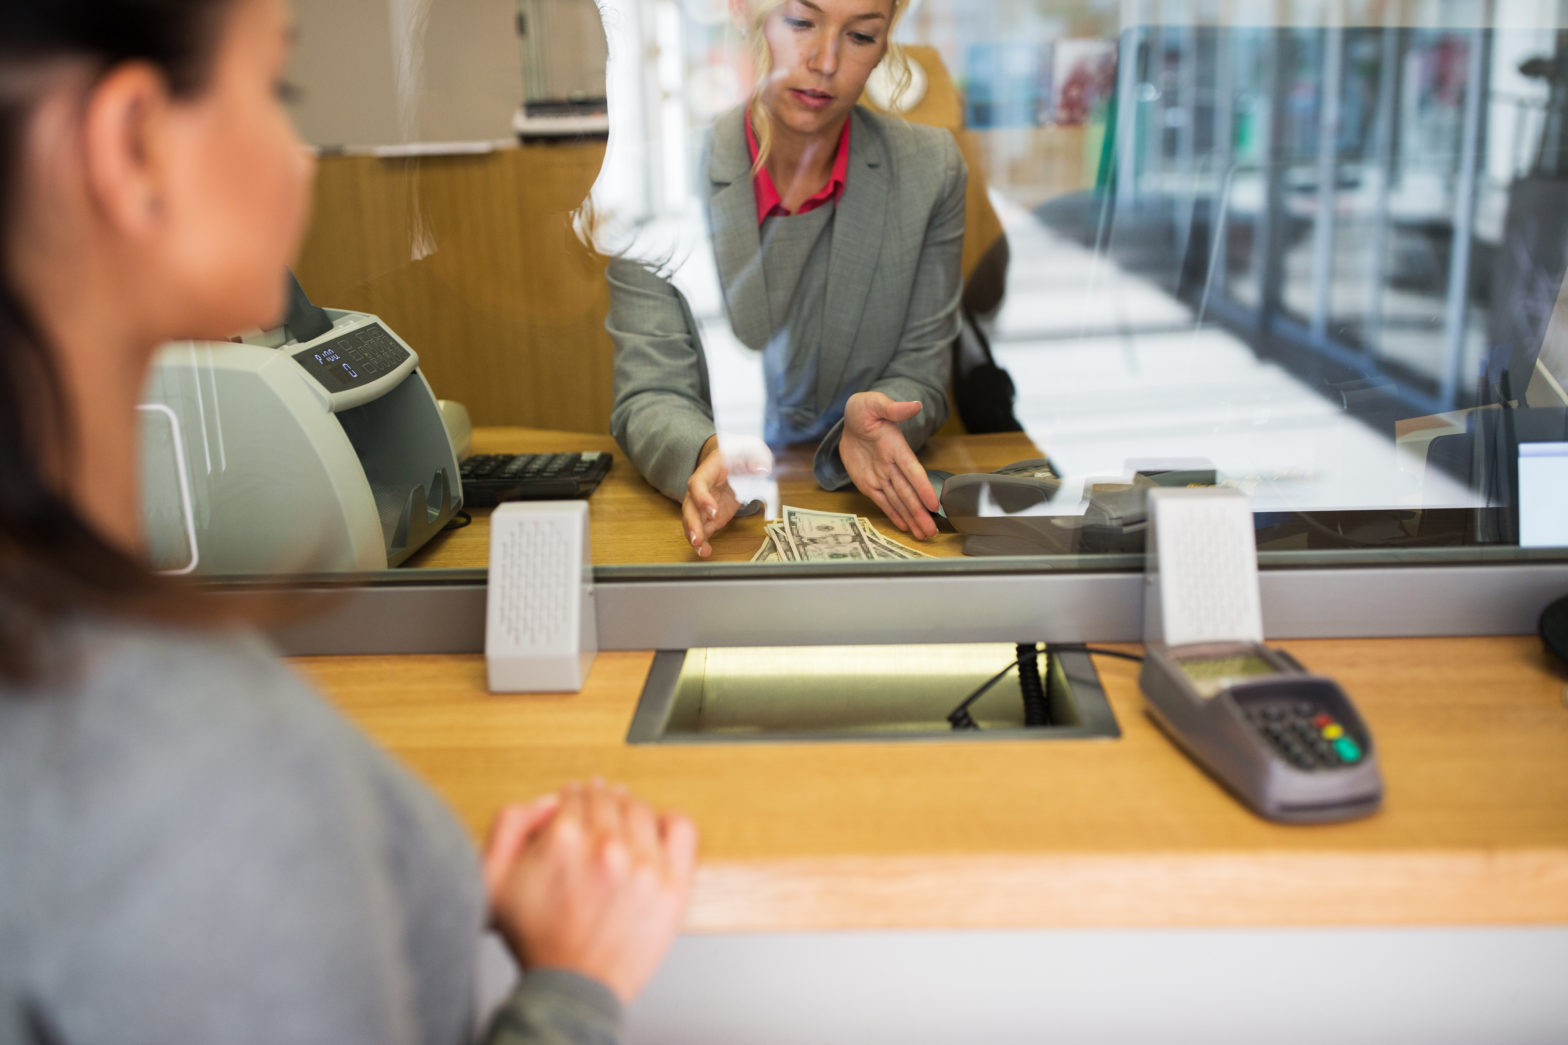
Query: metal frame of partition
{"points": [[1026, 603]]}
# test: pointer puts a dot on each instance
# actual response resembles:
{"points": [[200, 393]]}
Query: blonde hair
{"points": [[895, 59]]}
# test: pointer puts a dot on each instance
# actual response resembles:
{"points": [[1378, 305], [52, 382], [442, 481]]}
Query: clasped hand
{"points": [[590, 880], [881, 464]]}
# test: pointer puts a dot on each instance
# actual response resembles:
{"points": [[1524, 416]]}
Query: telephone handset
{"points": [[1025, 508]]}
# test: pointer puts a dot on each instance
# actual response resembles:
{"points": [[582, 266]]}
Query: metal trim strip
{"points": [[367, 617]]}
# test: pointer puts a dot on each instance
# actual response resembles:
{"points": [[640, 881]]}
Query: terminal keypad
{"points": [[1304, 734]]}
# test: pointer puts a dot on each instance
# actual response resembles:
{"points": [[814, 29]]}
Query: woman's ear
{"points": [[740, 17], [126, 147]]}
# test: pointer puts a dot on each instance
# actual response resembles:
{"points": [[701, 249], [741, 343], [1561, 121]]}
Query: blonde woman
{"points": [[837, 234]]}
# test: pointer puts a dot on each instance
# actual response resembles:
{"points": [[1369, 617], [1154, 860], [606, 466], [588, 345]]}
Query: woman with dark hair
{"points": [[193, 846]]}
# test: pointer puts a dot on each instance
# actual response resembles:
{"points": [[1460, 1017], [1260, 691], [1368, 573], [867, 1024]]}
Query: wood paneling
{"points": [[472, 260]]}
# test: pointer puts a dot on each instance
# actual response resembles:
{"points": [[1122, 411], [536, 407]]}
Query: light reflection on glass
{"points": [[1321, 253]]}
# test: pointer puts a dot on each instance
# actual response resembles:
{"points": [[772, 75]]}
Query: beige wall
{"points": [[567, 49], [471, 82]]}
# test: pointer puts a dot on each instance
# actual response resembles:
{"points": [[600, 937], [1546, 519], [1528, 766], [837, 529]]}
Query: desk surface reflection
{"points": [[633, 524]]}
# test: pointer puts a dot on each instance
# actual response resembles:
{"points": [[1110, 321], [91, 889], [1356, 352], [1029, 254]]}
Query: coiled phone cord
{"points": [[1037, 710], [960, 718]]}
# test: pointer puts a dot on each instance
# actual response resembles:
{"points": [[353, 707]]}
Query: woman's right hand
{"points": [[710, 501], [591, 880]]}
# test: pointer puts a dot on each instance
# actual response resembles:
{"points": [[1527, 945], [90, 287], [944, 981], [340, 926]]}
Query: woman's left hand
{"points": [[881, 464]]}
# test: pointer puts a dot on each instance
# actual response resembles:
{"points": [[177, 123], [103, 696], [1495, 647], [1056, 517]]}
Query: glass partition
{"points": [[1314, 251]]}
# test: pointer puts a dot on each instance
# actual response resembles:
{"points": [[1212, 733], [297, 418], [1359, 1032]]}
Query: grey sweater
{"points": [[195, 848]]}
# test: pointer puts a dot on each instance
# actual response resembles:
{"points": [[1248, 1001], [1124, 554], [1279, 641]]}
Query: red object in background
{"points": [[1089, 81]]}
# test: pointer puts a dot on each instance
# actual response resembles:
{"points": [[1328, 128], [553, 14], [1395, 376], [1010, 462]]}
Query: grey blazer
{"points": [[894, 283]]}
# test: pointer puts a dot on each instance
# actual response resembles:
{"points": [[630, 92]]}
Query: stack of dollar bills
{"points": [[807, 536]]}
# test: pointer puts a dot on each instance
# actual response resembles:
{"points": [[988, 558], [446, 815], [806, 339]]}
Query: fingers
{"points": [[616, 818], [892, 477], [601, 810], [864, 412], [699, 524], [642, 830], [679, 836], [564, 849], [606, 823], [700, 511], [889, 506], [881, 465], [921, 525], [901, 504], [925, 493], [706, 484], [897, 412], [695, 528], [570, 816], [514, 826], [910, 484], [710, 503], [599, 889]]}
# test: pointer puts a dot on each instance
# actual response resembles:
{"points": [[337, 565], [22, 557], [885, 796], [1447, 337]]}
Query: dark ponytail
{"points": [[52, 563]]}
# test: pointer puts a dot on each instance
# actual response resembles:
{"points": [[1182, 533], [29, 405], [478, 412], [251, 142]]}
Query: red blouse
{"points": [[770, 204]]}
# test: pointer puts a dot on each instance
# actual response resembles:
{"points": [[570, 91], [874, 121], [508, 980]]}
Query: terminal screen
{"points": [[328, 366], [352, 359], [1209, 675]]}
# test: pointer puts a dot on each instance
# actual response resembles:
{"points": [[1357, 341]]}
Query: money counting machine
{"points": [[321, 449]]}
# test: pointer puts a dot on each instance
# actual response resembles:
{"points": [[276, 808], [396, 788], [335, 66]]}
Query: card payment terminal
{"points": [[1287, 742]]}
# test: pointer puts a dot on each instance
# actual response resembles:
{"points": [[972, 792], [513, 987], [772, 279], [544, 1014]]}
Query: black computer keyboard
{"points": [[489, 479]]}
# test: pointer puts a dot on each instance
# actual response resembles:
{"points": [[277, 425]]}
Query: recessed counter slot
{"points": [[860, 693]]}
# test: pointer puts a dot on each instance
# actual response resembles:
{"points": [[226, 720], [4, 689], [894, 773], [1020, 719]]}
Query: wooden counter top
{"points": [[1473, 737], [633, 524]]}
